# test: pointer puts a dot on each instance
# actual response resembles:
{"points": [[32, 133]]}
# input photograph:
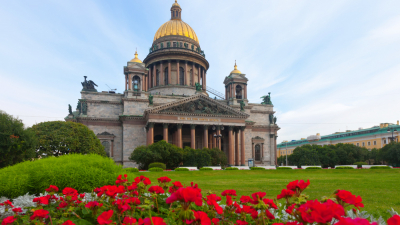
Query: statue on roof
{"points": [[69, 110], [151, 99], [242, 104], [275, 119], [198, 86], [271, 119], [266, 99], [88, 85]]}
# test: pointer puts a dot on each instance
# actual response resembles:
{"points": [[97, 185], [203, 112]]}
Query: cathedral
{"points": [[166, 97]]}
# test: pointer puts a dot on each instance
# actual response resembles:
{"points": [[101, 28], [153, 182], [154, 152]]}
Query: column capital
{"points": [[206, 126], [165, 125], [243, 128], [193, 126], [271, 136], [150, 125], [230, 128], [179, 125]]}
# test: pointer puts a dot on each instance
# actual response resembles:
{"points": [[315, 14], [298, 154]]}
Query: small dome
{"points": [[236, 70], [136, 59], [176, 4]]}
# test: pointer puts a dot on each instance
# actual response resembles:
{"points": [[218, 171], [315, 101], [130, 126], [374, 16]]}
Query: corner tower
{"points": [[176, 65], [236, 87]]}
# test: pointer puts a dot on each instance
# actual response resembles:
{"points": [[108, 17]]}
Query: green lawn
{"points": [[379, 189]]}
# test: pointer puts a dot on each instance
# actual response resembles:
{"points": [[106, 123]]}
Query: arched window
{"points": [[181, 76], [191, 78], [106, 145], [157, 78], [136, 83], [257, 153], [239, 92], [166, 76]]}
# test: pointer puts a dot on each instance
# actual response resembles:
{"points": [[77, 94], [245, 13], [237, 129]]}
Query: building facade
{"points": [[166, 98], [374, 137]]}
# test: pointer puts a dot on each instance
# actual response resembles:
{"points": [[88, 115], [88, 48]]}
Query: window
{"points": [[358, 144], [174, 44], [181, 76], [369, 143], [257, 153], [106, 145], [384, 141], [136, 83], [363, 144], [166, 76], [157, 78], [374, 142], [239, 92]]}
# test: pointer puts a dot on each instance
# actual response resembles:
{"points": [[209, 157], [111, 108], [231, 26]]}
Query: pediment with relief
{"points": [[198, 105]]}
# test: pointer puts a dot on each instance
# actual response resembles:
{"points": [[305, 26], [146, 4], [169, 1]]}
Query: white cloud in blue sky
{"points": [[330, 65]]}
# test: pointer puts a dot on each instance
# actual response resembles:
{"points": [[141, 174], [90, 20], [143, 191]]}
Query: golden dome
{"points": [[136, 59], [176, 4], [176, 27], [236, 70]]}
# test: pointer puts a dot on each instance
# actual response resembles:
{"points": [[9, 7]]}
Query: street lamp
{"points": [[393, 131], [217, 136]]}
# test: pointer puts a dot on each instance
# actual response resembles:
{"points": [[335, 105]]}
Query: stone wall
{"points": [[133, 136], [134, 107], [174, 89], [101, 96], [115, 130], [104, 110]]}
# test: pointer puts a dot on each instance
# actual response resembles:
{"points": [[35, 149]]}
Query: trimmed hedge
{"points": [[156, 169], [313, 168], [359, 164], [181, 169], [131, 170], [344, 167], [380, 167], [206, 168], [82, 172], [157, 164], [231, 168], [284, 168], [257, 168]]}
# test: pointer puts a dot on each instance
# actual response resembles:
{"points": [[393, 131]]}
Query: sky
{"points": [[330, 65]]}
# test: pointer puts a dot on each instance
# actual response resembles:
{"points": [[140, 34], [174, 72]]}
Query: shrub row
{"points": [[284, 168], [313, 168], [257, 168], [380, 167], [158, 164], [156, 169], [231, 168], [206, 168], [344, 168], [181, 169]]}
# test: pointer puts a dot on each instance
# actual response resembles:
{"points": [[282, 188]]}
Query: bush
{"points": [[131, 170], [181, 169], [218, 157], [359, 164], [231, 168], [195, 157], [344, 167], [82, 172], [257, 168], [17, 144], [313, 168], [206, 168], [157, 164], [284, 168], [381, 167], [156, 169]]}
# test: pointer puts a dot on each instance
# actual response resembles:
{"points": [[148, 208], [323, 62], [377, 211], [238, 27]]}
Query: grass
{"points": [[378, 188]]}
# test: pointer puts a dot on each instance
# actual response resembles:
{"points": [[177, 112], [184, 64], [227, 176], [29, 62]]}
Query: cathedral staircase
{"points": [[215, 92]]}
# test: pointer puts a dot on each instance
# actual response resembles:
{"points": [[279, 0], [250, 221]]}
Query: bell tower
{"points": [[176, 11], [236, 87]]}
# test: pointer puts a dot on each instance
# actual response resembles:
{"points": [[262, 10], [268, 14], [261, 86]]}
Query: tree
{"points": [[390, 153], [218, 157], [60, 138], [17, 144]]}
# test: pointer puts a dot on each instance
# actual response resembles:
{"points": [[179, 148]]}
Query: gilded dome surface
{"points": [[136, 59], [176, 27], [235, 69]]}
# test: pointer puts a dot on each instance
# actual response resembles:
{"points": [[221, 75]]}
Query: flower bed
{"points": [[170, 202]]}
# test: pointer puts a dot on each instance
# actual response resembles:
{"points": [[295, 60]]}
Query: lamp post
{"points": [[393, 130], [218, 136]]}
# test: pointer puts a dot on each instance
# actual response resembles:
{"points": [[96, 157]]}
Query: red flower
{"points": [[228, 200], [314, 211], [145, 180], [8, 220], [156, 221], [129, 221], [269, 214], [68, 222], [285, 193], [298, 185], [156, 190], [215, 221], [244, 209], [52, 188], [200, 217], [212, 201], [188, 194], [132, 187], [7, 202], [245, 199], [258, 196], [347, 197], [394, 220], [356, 221], [229, 192], [70, 191], [290, 208], [120, 180], [239, 222], [17, 210], [104, 218], [41, 213], [62, 205], [44, 200], [93, 204], [270, 203], [288, 223], [164, 180]]}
